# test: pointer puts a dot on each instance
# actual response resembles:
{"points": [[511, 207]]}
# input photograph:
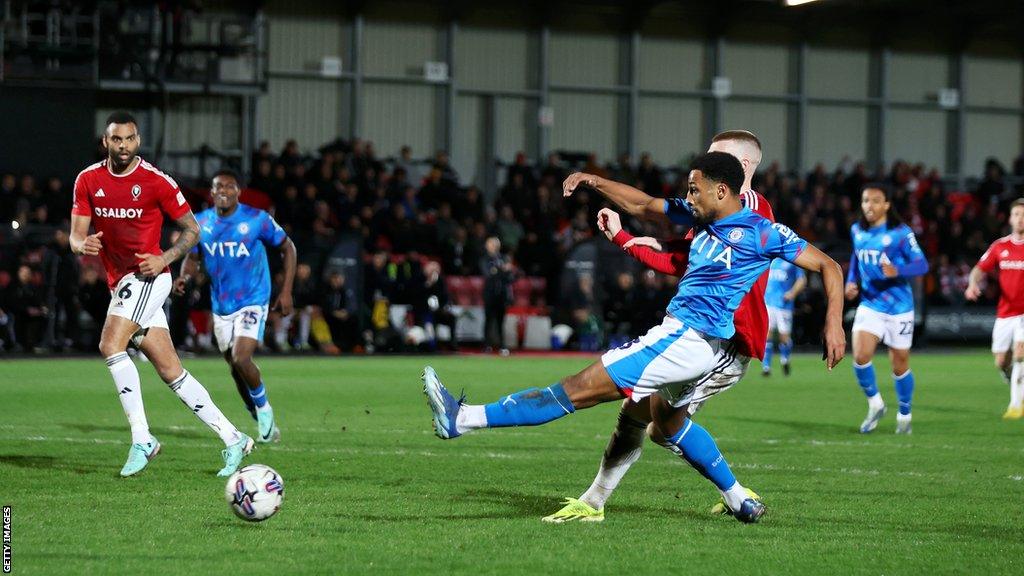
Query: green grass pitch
{"points": [[370, 490]]}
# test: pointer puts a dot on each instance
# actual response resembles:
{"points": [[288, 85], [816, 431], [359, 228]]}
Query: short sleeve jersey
{"points": [[129, 210], [234, 253]]}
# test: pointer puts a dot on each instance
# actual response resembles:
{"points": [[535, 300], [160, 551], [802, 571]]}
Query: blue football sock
{"points": [[866, 378], [784, 350], [259, 396], [769, 349], [904, 390], [700, 450], [529, 407]]}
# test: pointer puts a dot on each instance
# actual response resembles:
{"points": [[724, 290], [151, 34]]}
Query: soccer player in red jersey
{"points": [[750, 318], [1007, 254], [125, 199]]}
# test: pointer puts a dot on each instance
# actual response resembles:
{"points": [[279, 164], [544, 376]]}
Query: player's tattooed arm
{"points": [[188, 238]]}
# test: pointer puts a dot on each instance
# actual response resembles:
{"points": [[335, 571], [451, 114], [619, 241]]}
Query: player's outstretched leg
{"points": [[624, 448], [904, 384], [673, 429], [157, 346], [530, 407], [241, 353]]}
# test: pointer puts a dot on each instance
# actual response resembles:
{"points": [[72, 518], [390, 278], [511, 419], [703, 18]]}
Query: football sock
{"points": [[784, 349], [126, 381], [697, 447], [259, 396], [866, 378], [1017, 384], [193, 395], [471, 417], [622, 451], [904, 390], [529, 407], [769, 349]]}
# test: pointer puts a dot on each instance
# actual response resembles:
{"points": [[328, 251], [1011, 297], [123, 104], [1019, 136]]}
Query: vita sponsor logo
{"points": [[229, 249]]}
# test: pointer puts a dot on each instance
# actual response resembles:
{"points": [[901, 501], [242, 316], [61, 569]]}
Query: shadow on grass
{"points": [[37, 462], [808, 429], [157, 431]]}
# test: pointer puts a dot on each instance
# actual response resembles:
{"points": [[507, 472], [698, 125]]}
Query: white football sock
{"points": [[193, 395], [875, 402], [305, 321], [471, 417], [735, 496], [1017, 384], [624, 448], [129, 390]]}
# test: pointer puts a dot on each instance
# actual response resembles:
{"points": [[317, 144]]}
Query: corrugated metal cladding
{"points": [[670, 127], [312, 112]]}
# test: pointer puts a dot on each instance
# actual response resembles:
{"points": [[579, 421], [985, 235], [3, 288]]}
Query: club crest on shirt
{"points": [[736, 234], [886, 240], [136, 190], [243, 228], [1004, 253]]}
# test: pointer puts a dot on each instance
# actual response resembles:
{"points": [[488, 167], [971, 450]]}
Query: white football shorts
{"points": [[668, 360], [1006, 332], [141, 299], [246, 322], [894, 330], [780, 320]]}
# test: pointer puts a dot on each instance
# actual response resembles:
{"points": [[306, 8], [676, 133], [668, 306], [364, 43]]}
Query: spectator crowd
{"points": [[416, 225]]}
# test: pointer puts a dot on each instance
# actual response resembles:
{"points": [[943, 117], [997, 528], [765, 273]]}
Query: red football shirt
{"points": [[1009, 257], [751, 317], [129, 209]]}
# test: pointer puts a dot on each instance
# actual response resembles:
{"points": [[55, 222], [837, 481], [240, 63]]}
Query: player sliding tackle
{"points": [[731, 249]]}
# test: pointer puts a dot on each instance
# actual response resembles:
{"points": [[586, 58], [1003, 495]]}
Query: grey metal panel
{"points": [[298, 40], [396, 115], [672, 64], [766, 120], [916, 136], [585, 59], [917, 76], [311, 111], [516, 121], [495, 58], [194, 121], [586, 122], [993, 81], [468, 138], [756, 68], [837, 72], [670, 129], [399, 48], [991, 136], [834, 132]]}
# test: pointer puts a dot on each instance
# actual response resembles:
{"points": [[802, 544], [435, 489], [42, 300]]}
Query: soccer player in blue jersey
{"points": [[730, 250], [885, 256], [785, 282], [231, 246]]}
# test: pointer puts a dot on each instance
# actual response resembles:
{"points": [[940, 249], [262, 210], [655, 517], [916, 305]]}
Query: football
{"points": [[255, 492]]}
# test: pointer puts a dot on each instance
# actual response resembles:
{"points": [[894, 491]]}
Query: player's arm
{"points": [[284, 301], [798, 287], [646, 250], [973, 291], [915, 264], [153, 265], [189, 267], [813, 260], [80, 240], [852, 278], [634, 202]]}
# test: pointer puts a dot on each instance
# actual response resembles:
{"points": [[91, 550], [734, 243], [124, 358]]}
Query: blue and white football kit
{"points": [[236, 260], [726, 257], [782, 276], [886, 305]]}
